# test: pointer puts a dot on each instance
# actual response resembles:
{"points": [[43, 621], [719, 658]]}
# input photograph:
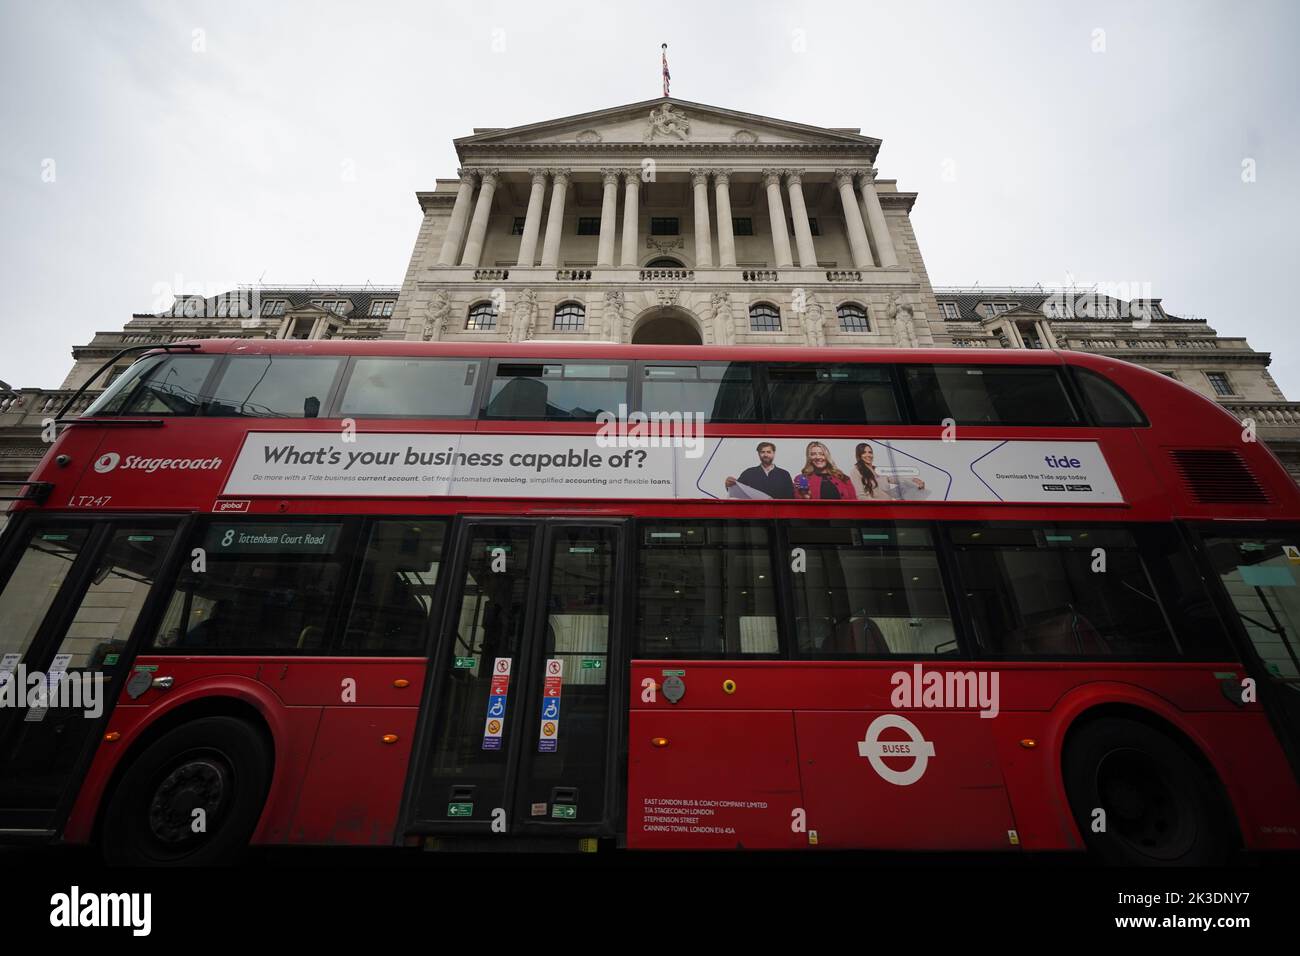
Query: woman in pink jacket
{"points": [[821, 479]]}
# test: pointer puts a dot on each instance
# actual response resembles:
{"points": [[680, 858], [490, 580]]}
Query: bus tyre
{"points": [[1161, 808], [192, 798]]}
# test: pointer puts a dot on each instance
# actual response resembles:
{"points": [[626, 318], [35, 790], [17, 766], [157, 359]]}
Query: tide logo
{"points": [[107, 462]]}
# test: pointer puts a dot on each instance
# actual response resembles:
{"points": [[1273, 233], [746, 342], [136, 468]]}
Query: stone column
{"points": [[608, 215], [631, 217], [776, 214], [555, 219], [703, 239], [532, 220], [861, 252], [478, 226], [459, 213], [876, 217], [799, 212], [722, 199]]}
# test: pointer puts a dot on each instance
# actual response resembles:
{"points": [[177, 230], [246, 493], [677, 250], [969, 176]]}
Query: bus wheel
{"points": [[192, 798], [1159, 806]]}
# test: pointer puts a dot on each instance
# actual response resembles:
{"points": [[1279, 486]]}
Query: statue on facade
{"points": [[436, 314], [615, 315], [523, 317], [814, 324], [900, 314], [722, 320], [664, 122]]}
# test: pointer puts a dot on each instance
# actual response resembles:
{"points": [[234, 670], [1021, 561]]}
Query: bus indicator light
{"points": [[1029, 743], [401, 683], [389, 738], [658, 741]]}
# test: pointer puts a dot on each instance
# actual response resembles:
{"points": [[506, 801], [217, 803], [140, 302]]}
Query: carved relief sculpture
{"points": [[524, 316], [436, 314], [900, 314], [664, 122], [814, 324], [722, 320], [615, 315]]}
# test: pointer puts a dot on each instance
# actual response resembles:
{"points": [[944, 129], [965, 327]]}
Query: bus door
{"points": [[526, 694], [1260, 573], [72, 591]]}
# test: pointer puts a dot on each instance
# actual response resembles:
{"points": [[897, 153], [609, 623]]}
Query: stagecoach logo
{"points": [[916, 747], [107, 462], [110, 460]]}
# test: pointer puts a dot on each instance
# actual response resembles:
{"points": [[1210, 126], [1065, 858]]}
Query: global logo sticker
{"points": [[107, 462], [916, 747]]}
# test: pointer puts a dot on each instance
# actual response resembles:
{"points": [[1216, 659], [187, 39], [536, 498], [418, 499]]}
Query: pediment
{"points": [[665, 121]]}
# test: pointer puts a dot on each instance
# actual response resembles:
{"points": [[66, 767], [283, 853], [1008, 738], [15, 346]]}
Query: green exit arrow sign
{"points": [[460, 809], [564, 811], [592, 665], [464, 663]]}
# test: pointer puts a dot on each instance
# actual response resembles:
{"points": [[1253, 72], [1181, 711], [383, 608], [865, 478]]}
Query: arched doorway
{"points": [[666, 326]]}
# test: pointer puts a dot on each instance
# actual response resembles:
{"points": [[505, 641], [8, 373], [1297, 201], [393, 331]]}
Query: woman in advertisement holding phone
{"points": [[821, 479], [869, 484]]}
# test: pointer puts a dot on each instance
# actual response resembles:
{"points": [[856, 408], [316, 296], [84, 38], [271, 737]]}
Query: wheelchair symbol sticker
{"points": [[916, 747], [497, 707], [551, 708]]}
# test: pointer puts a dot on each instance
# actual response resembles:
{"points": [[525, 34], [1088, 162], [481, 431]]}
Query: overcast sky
{"points": [[1102, 142]]}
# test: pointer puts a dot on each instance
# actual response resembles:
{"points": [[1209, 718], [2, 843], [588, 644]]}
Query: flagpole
{"points": [[664, 47]]}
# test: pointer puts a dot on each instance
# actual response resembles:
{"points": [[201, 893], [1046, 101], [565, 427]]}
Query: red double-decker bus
{"points": [[574, 595]]}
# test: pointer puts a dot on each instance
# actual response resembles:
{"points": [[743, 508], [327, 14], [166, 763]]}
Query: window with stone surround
{"points": [[1219, 382], [517, 226], [382, 307], [589, 225], [663, 226], [569, 317], [949, 310], [482, 317], [742, 226], [764, 317], [853, 317]]}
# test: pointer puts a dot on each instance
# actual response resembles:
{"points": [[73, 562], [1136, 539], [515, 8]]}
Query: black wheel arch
{"points": [[208, 706], [1175, 734]]}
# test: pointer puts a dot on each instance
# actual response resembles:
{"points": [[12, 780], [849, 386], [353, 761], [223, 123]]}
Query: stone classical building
{"points": [[675, 222]]}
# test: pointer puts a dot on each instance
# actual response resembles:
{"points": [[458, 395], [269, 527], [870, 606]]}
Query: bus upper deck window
{"points": [[1108, 404], [158, 385], [557, 390], [718, 392], [989, 395], [852, 394], [275, 386]]}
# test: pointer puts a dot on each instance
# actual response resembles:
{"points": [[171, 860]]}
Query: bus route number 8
{"points": [[228, 538]]}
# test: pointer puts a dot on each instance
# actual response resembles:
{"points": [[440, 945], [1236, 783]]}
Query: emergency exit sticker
{"points": [[495, 723], [548, 733]]}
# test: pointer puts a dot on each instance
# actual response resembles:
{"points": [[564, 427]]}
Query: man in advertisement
{"points": [[765, 478]]}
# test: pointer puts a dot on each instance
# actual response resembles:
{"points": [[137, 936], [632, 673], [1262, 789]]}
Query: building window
{"points": [[115, 374], [813, 227], [300, 328], [664, 264], [517, 226], [589, 225], [743, 226], [569, 317], [382, 307], [663, 226], [949, 310], [330, 305], [1000, 307], [1219, 381], [853, 318], [273, 307], [764, 317], [482, 316]]}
